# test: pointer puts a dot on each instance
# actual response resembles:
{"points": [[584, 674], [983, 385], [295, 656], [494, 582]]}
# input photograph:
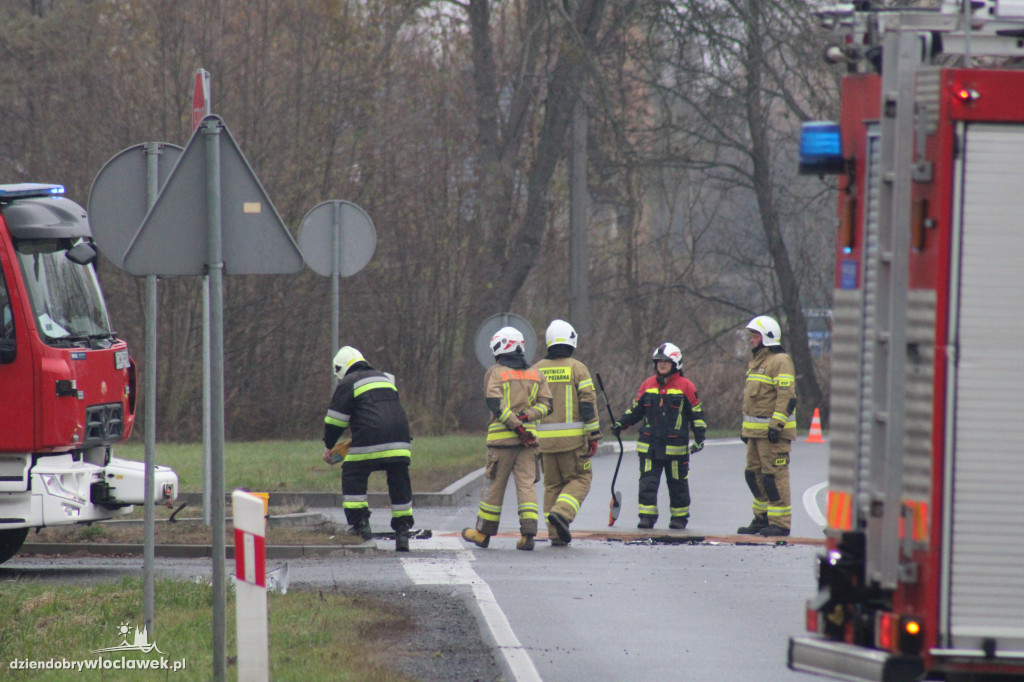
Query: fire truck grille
{"points": [[104, 424]]}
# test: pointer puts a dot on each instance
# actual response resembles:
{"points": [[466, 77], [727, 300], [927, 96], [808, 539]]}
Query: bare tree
{"points": [[447, 122], [733, 80]]}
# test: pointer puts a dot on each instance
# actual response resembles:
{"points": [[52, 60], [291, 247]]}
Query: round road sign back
{"points": [[117, 200], [482, 342], [357, 239]]}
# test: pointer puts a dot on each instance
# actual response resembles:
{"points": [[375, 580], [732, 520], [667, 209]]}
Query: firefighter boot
{"points": [[361, 529], [754, 527], [678, 522], [525, 543], [646, 522], [561, 526], [773, 531], [401, 541], [476, 537]]}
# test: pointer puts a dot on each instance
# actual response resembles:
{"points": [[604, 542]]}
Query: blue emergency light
{"points": [[29, 189], [821, 150]]}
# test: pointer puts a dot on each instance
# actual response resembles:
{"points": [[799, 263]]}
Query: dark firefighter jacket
{"points": [[366, 400], [668, 412]]}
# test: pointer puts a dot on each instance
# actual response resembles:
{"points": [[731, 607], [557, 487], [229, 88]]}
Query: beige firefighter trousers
{"points": [[520, 463], [567, 479], [768, 470]]}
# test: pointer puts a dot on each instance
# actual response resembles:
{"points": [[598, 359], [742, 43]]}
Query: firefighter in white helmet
{"points": [[517, 397], [366, 401], [568, 436], [668, 407], [769, 428]]}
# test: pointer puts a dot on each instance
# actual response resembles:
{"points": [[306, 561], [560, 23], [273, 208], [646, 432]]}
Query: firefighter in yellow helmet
{"points": [[769, 428], [366, 401], [517, 397], [568, 436]]}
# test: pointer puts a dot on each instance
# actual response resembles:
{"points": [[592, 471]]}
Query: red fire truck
{"points": [[67, 383], [923, 573]]}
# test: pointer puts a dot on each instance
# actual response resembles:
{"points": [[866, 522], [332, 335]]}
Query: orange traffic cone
{"points": [[815, 434]]}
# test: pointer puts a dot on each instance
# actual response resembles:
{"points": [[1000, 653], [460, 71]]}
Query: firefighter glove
{"points": [[697, 447], [773, 435], [744, 439], [616, 428], [591, 449], [523, 417], [525, 437]]}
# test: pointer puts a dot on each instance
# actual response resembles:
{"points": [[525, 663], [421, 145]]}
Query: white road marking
{"points": [[458, 571], [442, 542], [811, 504]]}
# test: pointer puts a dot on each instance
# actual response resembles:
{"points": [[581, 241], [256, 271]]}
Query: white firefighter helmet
{"points": [[670, 352], [507, 340], [560, 331], [768, 328], [344, 359]]}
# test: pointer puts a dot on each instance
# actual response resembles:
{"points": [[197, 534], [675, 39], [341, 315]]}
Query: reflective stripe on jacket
{"points": [[573, 421], [769, 396], [509, 392], [366, 401], [668, 412]]}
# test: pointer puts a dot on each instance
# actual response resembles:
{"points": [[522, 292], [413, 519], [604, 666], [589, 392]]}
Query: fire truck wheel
{"points": [[10, 542]]}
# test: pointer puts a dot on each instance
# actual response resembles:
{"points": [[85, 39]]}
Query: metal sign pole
{"points": [[201, 107], [149, 539], [213, 209], [215, 264], [206, 402], [337, 239], [335, 283]]}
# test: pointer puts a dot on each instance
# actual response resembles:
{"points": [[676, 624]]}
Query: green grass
{"points": [[313, 635], [296, 466]]}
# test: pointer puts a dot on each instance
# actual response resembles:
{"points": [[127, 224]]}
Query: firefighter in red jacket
{"points": [[769, 428], [668, 406]]}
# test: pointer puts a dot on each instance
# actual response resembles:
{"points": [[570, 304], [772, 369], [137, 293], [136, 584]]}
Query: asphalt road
{"points": [[720, 497], [619, 603], [699, 604]]}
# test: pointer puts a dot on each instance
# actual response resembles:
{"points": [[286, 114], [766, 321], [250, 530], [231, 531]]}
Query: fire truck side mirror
{"points": [[82, 253]]}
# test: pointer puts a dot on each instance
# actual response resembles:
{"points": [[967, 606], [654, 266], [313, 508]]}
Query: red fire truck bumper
{"points": [[848, 662]]}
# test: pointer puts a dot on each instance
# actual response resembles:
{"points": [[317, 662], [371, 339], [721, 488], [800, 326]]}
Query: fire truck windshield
{"points": [[65, 296]]}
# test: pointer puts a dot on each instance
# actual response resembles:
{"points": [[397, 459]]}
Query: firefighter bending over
{"points": [[366, 400]]}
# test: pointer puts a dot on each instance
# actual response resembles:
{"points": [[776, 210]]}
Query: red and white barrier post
{"points": [[251, 587]]}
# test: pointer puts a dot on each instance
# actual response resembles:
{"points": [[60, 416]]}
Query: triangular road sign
{"points": [[173, 238]]}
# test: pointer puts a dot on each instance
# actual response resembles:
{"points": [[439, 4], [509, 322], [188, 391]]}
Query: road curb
{"points": [[450, 496], [190, 551], [370, 546]]}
